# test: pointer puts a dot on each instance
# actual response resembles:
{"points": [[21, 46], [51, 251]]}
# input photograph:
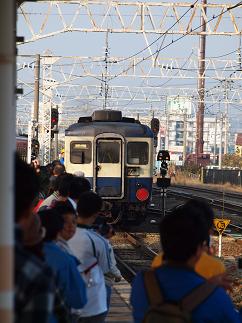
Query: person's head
{"points": [[89, 206], [59, 170], [65, 184], [54, 163], [78, 186], [106, 230], [205, 209], [52, 222], [26, 190], [66, 211], [36, 233], [183, 235]]}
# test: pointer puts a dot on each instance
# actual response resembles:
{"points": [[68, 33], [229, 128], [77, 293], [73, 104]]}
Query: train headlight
{"points": [[142, 194]]}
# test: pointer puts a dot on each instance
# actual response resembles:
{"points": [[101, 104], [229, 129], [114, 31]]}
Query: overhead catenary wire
{"points": [[178, 39]]}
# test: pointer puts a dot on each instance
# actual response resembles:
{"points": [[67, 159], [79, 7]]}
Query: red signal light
{"points": [[142, 194]]}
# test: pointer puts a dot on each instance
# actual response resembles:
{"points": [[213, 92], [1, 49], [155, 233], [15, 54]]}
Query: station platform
{"points": [[120, 309]]}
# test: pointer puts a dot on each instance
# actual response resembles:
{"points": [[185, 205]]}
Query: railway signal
{"points": [[54, 118], [163, 182]]}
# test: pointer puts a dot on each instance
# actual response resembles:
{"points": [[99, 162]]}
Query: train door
{"points": [[109, 167]]}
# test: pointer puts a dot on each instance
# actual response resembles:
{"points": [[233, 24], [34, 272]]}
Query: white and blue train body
{"points": [[116, 155]]}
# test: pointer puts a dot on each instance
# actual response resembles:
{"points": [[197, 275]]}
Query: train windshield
{"points": [[81, 152], [138, 153], [108, 152]]}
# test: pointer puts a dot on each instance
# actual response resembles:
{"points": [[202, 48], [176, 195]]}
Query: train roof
{"points": [[93, 129], [108, 121]]}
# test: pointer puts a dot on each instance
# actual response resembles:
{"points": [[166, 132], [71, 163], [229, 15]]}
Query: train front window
{"points": [[81, 152], [108, 152], [138, 153]]}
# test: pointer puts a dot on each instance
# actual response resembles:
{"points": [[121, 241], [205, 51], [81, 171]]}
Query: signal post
{"points": [[163, 182]]}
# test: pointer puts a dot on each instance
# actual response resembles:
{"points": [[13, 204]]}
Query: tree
{"points": [[232, 160]]}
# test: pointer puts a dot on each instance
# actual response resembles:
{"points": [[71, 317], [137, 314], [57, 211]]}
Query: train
{"points": [[115, 153], [22, 147]]}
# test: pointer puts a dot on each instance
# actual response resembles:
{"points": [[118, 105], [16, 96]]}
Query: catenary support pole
{"points": [[7, 143], [215, 141], [36, 94], [201, 86], [220, 142]]}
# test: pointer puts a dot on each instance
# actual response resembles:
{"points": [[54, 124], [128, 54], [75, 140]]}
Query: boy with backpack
{"points": [[174, 292]]}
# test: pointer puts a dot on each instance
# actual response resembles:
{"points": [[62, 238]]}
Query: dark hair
{"points": [[78, 186], [205, 209], [54, 163], [65, 184], [58, 170], [182, 232], [26, 187], [63, 208], [52, 222], [89, 203]]}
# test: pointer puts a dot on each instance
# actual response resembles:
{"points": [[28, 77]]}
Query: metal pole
{"points": [[56, 145], [8, 144], [215, 141], [201, 85], [36, 94], [184, 138], [163, 197], [226, 137], [221, 142]]}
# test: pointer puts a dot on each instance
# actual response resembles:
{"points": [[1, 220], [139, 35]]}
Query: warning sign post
{"points": [[220, 225]]}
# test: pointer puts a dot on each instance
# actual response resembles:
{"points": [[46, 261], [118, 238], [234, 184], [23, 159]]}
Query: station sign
{"points": [[221, 224]]}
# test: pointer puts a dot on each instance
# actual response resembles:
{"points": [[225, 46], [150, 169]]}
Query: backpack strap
{"points": [[197, 296], [155, 296]]}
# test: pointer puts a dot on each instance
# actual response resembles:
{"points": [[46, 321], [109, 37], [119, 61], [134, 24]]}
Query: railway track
{"points": [[234, 231], [231, 202], [132, 255]]}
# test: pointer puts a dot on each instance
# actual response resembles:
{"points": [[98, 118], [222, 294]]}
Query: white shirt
{"points": [[90, 248]]}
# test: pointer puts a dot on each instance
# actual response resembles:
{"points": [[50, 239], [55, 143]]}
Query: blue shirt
{"points": [[175, 283], [68, 278]]}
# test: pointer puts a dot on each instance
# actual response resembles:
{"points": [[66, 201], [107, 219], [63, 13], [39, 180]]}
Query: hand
{"points": [[222, 280], [117, 279]]}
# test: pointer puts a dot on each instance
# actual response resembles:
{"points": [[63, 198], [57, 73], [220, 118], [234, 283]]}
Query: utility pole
{"points": [[36, 95], [221, 142], [215, 140], [106, 87], [184, 137], [201, 84], [226, 118]]}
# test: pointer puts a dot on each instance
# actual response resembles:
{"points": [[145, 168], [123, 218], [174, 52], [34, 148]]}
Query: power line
{"points": [[163, 34], [176, 40]]}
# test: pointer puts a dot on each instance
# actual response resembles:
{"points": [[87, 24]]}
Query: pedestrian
{"points": [[34, 280], [61, 190], [68, 279], [207, 266], [114, 275], [92, 252], [66, 211], [179, 291]]}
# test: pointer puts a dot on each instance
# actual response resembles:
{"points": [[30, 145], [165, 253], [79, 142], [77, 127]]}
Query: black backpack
{"points": [[161, 311]]}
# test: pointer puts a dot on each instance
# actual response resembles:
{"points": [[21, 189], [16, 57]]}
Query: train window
{"points": [[108, 152], [138, 153], [81, 152]]}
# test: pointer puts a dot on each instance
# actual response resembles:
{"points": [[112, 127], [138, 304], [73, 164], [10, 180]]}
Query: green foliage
{"points": [[232, 160]]}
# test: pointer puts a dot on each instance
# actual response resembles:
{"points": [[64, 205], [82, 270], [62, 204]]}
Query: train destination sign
{"points": [[221, 224]]}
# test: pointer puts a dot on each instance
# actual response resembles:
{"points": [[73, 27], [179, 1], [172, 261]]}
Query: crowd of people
{"points": [[65, 265]]}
